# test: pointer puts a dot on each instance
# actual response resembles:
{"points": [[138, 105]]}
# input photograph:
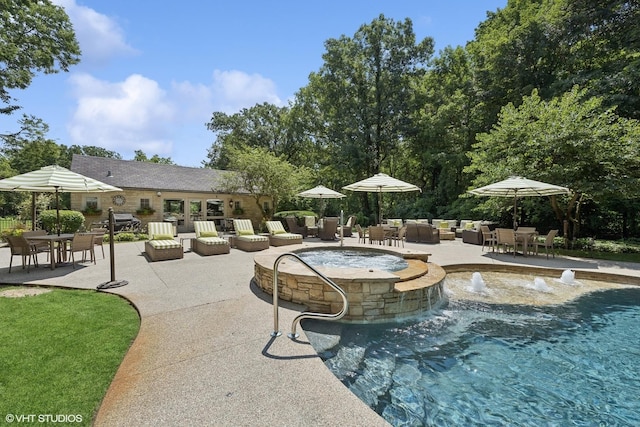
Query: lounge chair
{"points": [[246, 239], [329, 228], [292, 224], [207, 241], [161, 245], [278, 236]]}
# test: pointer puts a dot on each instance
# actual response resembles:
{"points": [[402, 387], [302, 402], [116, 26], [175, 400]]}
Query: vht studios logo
{"points": [[43, 418]]}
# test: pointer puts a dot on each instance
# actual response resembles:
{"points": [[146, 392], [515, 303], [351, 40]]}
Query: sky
{"points": [[152, 73]]}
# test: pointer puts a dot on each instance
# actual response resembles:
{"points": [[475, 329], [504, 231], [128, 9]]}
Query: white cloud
{"points": [[234, 90], [125, 116], [99, 36], [137, 114]]}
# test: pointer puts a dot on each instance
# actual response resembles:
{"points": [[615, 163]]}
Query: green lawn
{"points": [[60, 350]]}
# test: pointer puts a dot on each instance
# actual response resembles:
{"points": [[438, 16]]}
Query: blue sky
{"points": [[152, 73]]}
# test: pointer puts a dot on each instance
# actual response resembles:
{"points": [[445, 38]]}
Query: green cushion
{"points": [[468, 226], [163, 237], [444, 224], [244, 233], [209, 233]]}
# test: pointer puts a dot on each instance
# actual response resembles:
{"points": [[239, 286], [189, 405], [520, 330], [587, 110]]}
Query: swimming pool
{"points": [[474, 363]]}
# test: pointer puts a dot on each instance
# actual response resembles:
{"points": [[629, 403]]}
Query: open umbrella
{"points": [[517, 186], [321, 192], [55, 179], [381, 183]]}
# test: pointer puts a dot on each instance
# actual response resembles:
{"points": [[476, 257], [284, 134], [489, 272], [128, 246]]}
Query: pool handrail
{"points": [[305, 314]]}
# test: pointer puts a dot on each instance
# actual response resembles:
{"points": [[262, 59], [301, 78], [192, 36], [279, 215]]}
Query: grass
{"points": [[60, 351], [609, 256]]}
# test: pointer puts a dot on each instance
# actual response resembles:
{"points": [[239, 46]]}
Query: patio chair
{"points": [[278, 236], [19, 246], [98, 238], [547, 243], [207, 241], [398, 237], [377, 235], [362, 234], [40, 246], [347, 229], [329, 228], [247, 240], [526, 235], [506, 237], [311, 225], [488, 238], [161, 245], [82, 242], [294, 227]]}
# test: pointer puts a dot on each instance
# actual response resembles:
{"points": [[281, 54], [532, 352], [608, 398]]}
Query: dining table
{"points": [[53, 239], [524, 236]]}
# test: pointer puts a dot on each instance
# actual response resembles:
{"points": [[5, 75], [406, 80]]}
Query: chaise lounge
{"points": [[278, 236], [207, 241], [246, 239], [161, 245]]}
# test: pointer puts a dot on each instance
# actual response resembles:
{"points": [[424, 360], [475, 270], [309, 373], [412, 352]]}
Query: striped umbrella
{"points": [[56, 179]]}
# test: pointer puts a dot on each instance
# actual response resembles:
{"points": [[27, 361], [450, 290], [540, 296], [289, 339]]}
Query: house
{"points": [[157, 192]]}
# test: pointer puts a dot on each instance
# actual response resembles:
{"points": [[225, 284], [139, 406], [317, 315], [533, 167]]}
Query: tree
{"points": [[86, 150], [140, 156], [570, 141], [361, 98], [29, 149], [262, 174], [35, 36], [263, 125]]}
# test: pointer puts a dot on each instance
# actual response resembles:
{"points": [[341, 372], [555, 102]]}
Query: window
{"points": [[91, 202], [145, 203]]}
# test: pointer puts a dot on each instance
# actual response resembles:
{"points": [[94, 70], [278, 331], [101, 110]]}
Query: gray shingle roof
{"points": [[132, 174]]}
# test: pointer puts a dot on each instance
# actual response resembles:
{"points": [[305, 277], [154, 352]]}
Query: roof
{"points": [[133, 174]]}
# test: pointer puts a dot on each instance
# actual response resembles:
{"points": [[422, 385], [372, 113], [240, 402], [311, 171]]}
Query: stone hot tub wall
{"points": [[373, 295]]}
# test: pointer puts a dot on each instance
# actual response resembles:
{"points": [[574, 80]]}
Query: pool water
{"points": [[472, 363], [349, 258]]}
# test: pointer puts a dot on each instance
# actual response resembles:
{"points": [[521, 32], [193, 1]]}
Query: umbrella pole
{"points": [[515, 212], [57, 211], [113, 283], [33, 211]]}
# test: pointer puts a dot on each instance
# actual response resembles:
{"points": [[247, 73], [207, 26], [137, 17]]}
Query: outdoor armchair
{"points": [[161, 245], [278, 236], [294, 227], [19, 246], [246, 239], [329, 228], [207, 241], [82, 242]]}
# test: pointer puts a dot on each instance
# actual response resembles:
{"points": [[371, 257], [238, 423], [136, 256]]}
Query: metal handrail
{"points": [[304, 315]]}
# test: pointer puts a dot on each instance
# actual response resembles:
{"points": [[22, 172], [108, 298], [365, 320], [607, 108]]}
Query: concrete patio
{"points": [[204, 353]]}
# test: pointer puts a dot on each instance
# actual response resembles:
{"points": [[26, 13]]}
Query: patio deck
{"points": [[204, 353]]}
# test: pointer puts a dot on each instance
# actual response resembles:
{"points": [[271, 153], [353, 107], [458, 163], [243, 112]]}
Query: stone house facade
{"points": [[157, 192]]}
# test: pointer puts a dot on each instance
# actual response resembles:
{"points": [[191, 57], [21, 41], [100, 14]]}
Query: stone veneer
{"points": [[373, 295]]}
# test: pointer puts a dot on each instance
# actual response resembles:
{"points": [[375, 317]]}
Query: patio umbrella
{"points": [[56, 179], [321, 192], [381, 183], [517, 186]]}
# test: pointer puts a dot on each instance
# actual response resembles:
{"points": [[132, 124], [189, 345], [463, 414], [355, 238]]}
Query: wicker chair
{"points": [[292, 224], [246, 239], [82, 242], [329, 228], [207, 242], [547, 243], [377, 235], [161, 245], [20, 247], [506, 238], [278, 236]]}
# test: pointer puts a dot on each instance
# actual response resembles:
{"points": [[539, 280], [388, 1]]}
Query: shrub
{"points": [[125, 237], [70, 221]]}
